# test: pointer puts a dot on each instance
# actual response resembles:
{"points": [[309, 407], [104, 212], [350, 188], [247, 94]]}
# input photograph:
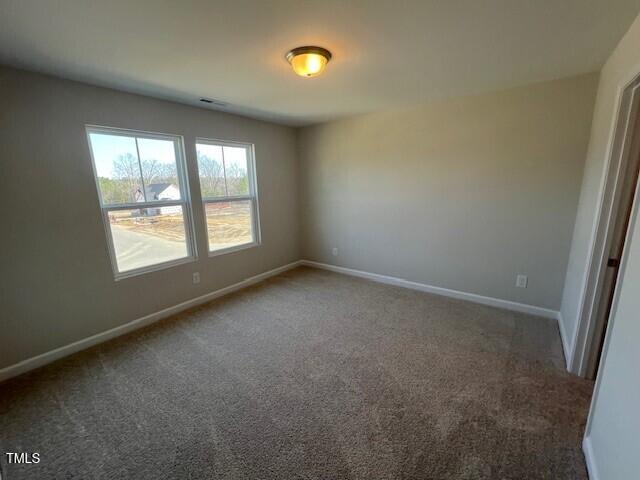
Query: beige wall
{"points": [[462, 194], [57, 285], [614, 424]]}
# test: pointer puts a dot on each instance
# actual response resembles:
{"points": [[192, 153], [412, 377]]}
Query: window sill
{"points": [[153, 268], [223, 251]]}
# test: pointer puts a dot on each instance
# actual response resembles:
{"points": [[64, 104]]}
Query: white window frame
{"points": [[252, 197], [184, 202]]}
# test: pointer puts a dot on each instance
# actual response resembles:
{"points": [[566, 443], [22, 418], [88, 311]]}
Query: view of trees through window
{"points": [[222, 170], [122, 186], [225, 186], [144, 204], [121, 171], [143, 170]]}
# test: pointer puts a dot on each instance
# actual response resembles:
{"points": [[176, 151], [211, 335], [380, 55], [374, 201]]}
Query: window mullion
{"points": [[139, 205], [144, 190], [227, 199], [224, 172]]}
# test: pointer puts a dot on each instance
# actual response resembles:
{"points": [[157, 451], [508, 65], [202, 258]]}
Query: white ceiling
{"points": [[387, 54]]}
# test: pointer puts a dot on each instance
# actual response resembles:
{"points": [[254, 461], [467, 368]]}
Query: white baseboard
{"points": [[52, 355], [471, 297], [590, 460], [566, 346]]}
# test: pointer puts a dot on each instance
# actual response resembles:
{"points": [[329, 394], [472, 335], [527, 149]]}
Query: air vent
{"points": [[211, 101]]}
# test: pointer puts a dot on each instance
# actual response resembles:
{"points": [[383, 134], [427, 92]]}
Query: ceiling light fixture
{"points": [[308, 61]]}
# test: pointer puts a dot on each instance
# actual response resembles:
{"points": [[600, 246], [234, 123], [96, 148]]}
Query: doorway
{"points": [[621, 217], [620, 189]]}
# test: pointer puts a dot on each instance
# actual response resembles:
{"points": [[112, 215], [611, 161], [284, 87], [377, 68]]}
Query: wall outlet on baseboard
{"points": [[334, 251], [522, 281], [196, 278]]}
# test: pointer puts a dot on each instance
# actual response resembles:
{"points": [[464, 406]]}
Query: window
{"points": [[227, 181], [144, 198]]}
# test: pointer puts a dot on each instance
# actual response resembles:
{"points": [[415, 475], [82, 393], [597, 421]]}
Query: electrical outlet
{"points": [[334, 251], [196, 278], [522, 281]]}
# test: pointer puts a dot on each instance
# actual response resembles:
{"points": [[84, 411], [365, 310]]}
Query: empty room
{"points": [[320, 240]]}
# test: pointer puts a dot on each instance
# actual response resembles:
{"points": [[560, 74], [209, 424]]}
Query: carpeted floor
{"points": [[309, 375]]}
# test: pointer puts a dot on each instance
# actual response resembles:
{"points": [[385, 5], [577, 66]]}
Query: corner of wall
{"points": [[590, 459], [567, 342], [301, 186]]}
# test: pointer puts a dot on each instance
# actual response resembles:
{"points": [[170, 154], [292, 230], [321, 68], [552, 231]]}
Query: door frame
{"points": [[618, 154]]}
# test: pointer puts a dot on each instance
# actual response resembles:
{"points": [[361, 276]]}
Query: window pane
{"points": [[210, 170], [235, 166], [117, 168], [159, 171], [147, 236], [229, 224]]}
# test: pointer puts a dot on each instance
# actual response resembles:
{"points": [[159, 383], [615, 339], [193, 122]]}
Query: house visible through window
{"points": [[227, 182], [144, 198]]}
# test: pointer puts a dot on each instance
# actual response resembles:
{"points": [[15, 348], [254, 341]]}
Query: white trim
{"points": [[235, 248], [446, 292], [590, 459], [52, 355], [252, 197], [576, 361], [567, 349], [156, 267], [635, 217], [599, 239], [231, 198], [184, 202], [141, 205]]}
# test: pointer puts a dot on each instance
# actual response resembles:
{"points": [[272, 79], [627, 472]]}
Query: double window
{"points": [[145, 197]]}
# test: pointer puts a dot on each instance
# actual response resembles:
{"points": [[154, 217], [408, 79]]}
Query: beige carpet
{"points": [[310, 375]]}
